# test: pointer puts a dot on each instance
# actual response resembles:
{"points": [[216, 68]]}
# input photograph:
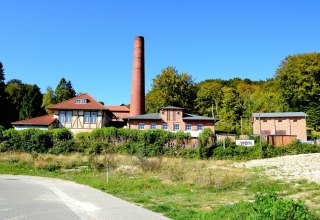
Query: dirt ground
{"points": [[303, 166]]}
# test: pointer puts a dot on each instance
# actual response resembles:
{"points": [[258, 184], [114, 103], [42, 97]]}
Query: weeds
{"points": [[179, 188]]}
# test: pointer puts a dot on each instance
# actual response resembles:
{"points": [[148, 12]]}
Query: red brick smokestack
{"points": [[137, 106]]}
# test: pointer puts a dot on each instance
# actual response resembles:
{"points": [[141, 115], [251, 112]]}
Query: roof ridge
{"points": [[67, 100], [71, 101]]}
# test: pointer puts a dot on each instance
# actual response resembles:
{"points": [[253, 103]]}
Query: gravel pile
{"points": [[302, 166]]}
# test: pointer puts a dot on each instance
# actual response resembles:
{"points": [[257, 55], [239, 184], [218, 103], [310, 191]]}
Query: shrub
{"points": [[12, 137], [62, 141], [206, 143], [270, 206], [34, 140]]}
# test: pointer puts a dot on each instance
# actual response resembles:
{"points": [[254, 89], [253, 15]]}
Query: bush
{"points": [[270, 206], [205, 143], [28, 140], [12, 138]]}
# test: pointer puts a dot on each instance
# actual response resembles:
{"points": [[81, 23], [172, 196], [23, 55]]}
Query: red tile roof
{"points": [[119, 116], [91, 104], [117, 108], [41, 120]]}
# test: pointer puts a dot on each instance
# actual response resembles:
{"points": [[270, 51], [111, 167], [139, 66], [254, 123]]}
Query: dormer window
{"points": [[81, 101]]}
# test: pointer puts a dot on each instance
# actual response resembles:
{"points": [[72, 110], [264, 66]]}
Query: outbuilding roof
{"points": [[90, 104], [152, 116], [41, 120], [279, 114], [117, 108], [171, 107], [187, 116]]}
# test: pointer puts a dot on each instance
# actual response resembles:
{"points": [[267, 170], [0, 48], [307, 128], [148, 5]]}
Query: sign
{"points": [[247, 143]]}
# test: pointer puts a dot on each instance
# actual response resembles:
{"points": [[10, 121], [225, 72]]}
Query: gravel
{"points": [[295, 167]]}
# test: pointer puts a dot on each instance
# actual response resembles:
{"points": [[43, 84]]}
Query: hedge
{"points": [[146, 143]]}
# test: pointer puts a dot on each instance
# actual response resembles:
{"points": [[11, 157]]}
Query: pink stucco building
{"points": [[172, 119], [281, 123]]}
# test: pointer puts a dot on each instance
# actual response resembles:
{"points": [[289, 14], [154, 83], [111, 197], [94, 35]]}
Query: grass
{"points": [[177, 188]]}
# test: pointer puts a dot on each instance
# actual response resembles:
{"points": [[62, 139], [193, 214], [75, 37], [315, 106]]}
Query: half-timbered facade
{"points": [[81, 113]]}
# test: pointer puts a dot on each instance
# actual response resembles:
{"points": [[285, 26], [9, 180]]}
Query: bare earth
{"points": [[303, 166]]}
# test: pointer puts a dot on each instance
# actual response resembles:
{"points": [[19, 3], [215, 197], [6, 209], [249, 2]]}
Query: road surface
{"points": [[41, 198]]}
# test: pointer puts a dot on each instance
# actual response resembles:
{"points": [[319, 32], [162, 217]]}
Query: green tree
{"points": [[48, 98], [64, 91], [31, 103], [15, 91], [298, 79], [209, 97], [231, 111], [3, 99], [171, 88]]}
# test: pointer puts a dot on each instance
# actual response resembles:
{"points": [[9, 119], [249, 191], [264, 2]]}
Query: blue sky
{"points": [[91, 42]]}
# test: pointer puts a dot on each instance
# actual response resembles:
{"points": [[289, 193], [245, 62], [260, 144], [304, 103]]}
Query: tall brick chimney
{"points": [[137, 105]]}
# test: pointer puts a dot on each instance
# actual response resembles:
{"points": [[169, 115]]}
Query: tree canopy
{"points": [[298, 82], [64, 91], [3, 100], [171, 88]]}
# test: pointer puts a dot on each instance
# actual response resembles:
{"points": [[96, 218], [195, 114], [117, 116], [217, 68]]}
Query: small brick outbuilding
{"points": [[280, 123]]}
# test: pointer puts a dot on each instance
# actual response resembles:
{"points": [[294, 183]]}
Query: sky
{"points": [[90, 43]]}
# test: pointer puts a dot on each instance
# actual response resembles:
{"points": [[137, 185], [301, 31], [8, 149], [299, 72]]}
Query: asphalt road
{"points": [[41, 198]]}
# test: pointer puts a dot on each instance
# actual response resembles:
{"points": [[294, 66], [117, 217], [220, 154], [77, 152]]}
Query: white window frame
{"points": [[200, 126], [68, 117], [176, 127], [62, 116], [81, 101], [86, 117], [153, 126], [141, 126], [188, 126], [93, 117], [164, 126]]}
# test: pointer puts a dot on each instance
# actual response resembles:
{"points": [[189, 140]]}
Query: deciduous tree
{"points": [[48, 98], [171, 88], [31, 103]]}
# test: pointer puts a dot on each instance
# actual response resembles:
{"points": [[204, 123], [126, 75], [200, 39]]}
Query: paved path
{"points": [[41, 198]]}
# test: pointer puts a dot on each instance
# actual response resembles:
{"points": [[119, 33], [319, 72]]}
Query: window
{"points": [[200, 127], [265, 120], [295, 120], [176, 127], [165, 126], [90, 117], [188, 127], [94, 117], [62, 116], [68, 116], [279, 120], [81, 101], [153, 126], [86, 117], [141, 126]]}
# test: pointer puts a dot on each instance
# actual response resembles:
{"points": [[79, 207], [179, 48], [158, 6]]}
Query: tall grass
{"points": [[179, 188]]}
